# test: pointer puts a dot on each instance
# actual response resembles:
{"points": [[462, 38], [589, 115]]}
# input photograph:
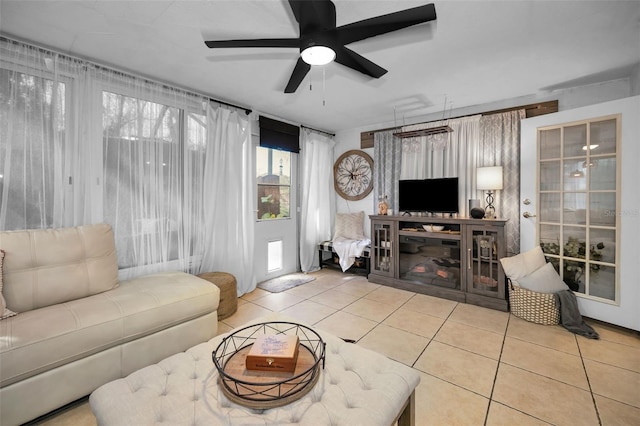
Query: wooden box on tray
{"points": [[277, 352]]}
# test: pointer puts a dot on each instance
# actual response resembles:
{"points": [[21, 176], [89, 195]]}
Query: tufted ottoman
{"points": [[357, 387], [228, 292]]}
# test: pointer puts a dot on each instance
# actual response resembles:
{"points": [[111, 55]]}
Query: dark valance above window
{"points": [[278, 135]]}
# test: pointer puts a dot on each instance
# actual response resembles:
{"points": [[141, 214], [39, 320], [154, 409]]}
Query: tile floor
{"points": [[478, 366]]}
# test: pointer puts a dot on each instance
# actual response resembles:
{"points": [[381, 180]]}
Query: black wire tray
{"points": [[262, 390]]}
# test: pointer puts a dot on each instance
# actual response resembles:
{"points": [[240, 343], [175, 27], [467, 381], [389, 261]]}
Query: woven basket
{"points": [[540, 308]]}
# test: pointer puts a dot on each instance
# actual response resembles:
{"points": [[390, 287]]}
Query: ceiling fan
{"points": [[321, 42]]}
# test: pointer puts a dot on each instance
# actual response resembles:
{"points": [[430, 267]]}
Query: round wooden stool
{"points": [[228, 292]]}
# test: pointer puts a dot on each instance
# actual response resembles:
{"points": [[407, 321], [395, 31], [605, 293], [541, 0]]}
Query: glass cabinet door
{"points": [[578, 178], [484, 271], [382, 243]]}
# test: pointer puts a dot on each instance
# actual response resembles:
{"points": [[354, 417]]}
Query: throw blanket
{"points": [[570, 316], [348, 250]]}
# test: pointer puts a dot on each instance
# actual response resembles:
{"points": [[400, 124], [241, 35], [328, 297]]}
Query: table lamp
{"points": [[489, 179]]}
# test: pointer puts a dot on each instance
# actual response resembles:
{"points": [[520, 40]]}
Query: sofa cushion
{"points": [[48, 266], [41, 339]]}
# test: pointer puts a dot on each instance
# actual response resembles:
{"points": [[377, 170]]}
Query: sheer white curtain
{"points": [[82, 143], [229, 195], [36, 130], [317, 200], [455, 156]]}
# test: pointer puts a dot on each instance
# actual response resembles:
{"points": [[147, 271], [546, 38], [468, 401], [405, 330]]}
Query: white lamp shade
{"points": [[318, 55], [489, 178]]}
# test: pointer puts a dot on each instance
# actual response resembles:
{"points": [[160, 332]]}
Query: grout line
{"points": [[593, 398], [495, 376]]}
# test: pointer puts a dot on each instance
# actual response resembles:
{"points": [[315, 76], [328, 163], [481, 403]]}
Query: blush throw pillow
{"points": [[523, 264], [349, 226], [4, 312], [544, 280]]}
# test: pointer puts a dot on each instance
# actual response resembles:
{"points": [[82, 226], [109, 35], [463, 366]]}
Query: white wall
{"points": [[627, 314], [346, 141]]}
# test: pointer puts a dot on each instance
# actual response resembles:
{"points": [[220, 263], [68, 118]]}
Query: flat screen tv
{"points": [[436, 195]]}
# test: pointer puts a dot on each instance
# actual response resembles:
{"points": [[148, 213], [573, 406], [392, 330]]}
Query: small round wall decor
{"points": [[353, 175]]}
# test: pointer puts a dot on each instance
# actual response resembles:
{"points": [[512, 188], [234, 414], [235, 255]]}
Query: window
{"points": [[32, 130], [144, 175], [273, 171]]}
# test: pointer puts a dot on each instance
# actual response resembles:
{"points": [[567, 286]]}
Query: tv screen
{"points": [[437, 195]]}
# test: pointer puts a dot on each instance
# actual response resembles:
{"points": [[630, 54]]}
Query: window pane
{"points": [[575, 140], [32, 131], [273, 202], [601, 207], [602, 282], [142, 178], [602, 173], [550, 144], [273, 166], [273, 171], [550, 176], [603, 137], [603, 245], [550, 207], [574, 175]]}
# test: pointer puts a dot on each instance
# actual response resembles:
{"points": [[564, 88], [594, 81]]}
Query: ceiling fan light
{"points": [[318, 55]]}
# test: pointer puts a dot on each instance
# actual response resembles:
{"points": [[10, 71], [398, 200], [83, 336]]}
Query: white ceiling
{"points": [[476, 52]]}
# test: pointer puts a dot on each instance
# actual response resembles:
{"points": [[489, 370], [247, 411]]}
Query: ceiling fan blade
{"points": [[299, 72], [314, 15], [351, 59], [385, 23], [258, 42]]}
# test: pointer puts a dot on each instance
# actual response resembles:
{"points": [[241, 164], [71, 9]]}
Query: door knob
{"points": [[527, 215]]}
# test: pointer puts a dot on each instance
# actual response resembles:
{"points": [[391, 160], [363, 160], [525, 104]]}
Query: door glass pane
{"points": [[550, 144], [574, 244], [550, 207], [573, 274], [550, 239], [550, 176], [602, 282], [600, 208], [603, 244], [603, 137], [575, 208], [602, 173], [273, 171], [575, 140], [574, 175]]}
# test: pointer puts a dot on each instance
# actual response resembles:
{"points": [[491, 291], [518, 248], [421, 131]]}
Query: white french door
{"points": [[585, 201]]}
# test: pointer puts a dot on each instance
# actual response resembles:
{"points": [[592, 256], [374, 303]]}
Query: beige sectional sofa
{"points": [[77, 327]]}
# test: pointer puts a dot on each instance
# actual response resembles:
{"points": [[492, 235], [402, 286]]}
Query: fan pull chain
{"points": [[323, 88]]}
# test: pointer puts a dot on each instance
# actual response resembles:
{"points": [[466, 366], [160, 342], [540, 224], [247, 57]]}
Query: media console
{"points": [[459, 262]]}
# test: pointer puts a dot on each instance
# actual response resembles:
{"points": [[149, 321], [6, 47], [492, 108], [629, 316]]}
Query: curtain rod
{"points": [[319, 131], [528, 107], [246, 110], [45, 49]]}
